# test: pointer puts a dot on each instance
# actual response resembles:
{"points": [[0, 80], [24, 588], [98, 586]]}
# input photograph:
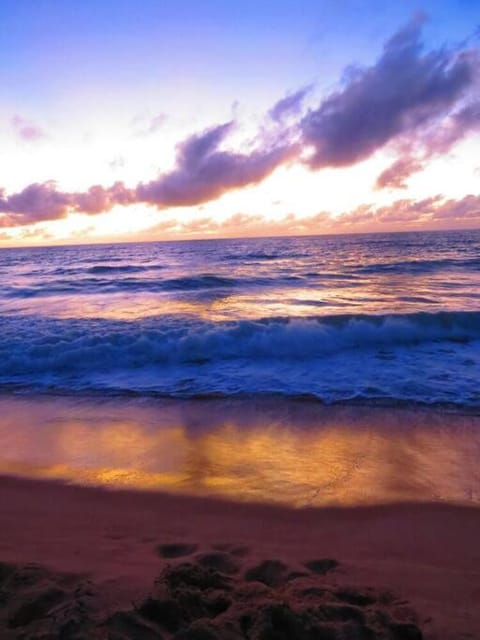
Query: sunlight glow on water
{"points": [[292, 453], [245, 279]]}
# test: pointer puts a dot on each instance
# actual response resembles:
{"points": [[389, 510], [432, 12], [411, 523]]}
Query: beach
{"points": [[427, 556], [272, 439], [240, 320], [411, 557]]}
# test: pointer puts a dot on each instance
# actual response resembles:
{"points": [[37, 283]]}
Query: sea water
{"points": [[377, 318]]}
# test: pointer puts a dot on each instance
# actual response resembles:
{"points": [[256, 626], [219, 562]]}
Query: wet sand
{"points": [[289, 452]]}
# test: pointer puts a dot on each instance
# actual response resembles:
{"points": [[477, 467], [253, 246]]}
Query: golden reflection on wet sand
{"points": [[295, 453]]}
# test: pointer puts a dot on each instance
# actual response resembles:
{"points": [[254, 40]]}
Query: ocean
{"points": [[380, 318], [307, 371]]}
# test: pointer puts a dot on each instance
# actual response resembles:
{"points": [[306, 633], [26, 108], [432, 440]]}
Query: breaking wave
{"points": [[332, 357]]}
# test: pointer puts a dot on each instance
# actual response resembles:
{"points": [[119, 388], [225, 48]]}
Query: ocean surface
{"points": [[382, 318]]}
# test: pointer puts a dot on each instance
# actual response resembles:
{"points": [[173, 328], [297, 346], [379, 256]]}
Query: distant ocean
{"points": [[382, 318]]}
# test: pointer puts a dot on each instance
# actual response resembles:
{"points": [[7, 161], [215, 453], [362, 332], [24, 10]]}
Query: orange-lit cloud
{"points": [[432, 212], [396, 175]]}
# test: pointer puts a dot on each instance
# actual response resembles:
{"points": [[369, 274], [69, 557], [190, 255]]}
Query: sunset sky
{"points": [[160, 119]]}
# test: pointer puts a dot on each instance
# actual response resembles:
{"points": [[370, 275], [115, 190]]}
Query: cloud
{"points": [[244, 225], [419, 103], [40, 202], [118, 162], [147, 125], [205, 172], [27, 130], [290, 105], [433, 212], [99, 199], [468, 208], [36, 203], [442, 137], [405, 89], [433, 141], [396, 175]]}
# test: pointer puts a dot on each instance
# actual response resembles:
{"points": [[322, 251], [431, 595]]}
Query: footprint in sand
{"points": [[321, 566], [233, 549], [271, 572], [219, 561], [176, 549]]}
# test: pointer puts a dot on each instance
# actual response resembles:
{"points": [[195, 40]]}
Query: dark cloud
{"points": [[205, 172], [27, 130], [290, 105], [40, 202], [404, 90], [36, 203]]}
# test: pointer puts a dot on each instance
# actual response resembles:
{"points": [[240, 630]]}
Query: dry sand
{"points": [[226, 570]]}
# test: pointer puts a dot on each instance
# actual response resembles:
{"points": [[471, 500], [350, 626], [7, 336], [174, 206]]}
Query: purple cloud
{"points": [[395, 176], [290, 105], [435, 140], [468, 208], [428, 213], [27, 130], [404, 90], [205, 172], [100, 199], [36, 203], [40, 202]]}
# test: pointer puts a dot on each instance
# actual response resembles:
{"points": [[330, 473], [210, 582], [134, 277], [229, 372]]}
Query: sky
{"points": [[165, 119]]}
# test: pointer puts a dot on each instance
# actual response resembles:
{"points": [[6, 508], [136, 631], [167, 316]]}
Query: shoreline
{"points": [[293, 453], [427, 554]]}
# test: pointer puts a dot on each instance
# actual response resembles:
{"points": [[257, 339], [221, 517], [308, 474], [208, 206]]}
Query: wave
{"points": [[420, 266], [97, 284], [423, 357], [60, 343], [123, 268]]}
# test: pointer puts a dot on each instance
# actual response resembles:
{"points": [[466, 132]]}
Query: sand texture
{"points": [[89, 563]]}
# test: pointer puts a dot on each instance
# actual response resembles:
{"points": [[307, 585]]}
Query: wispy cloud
{"points": [[147, 125], [431, 142], [27, 130], [289, 106]]}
